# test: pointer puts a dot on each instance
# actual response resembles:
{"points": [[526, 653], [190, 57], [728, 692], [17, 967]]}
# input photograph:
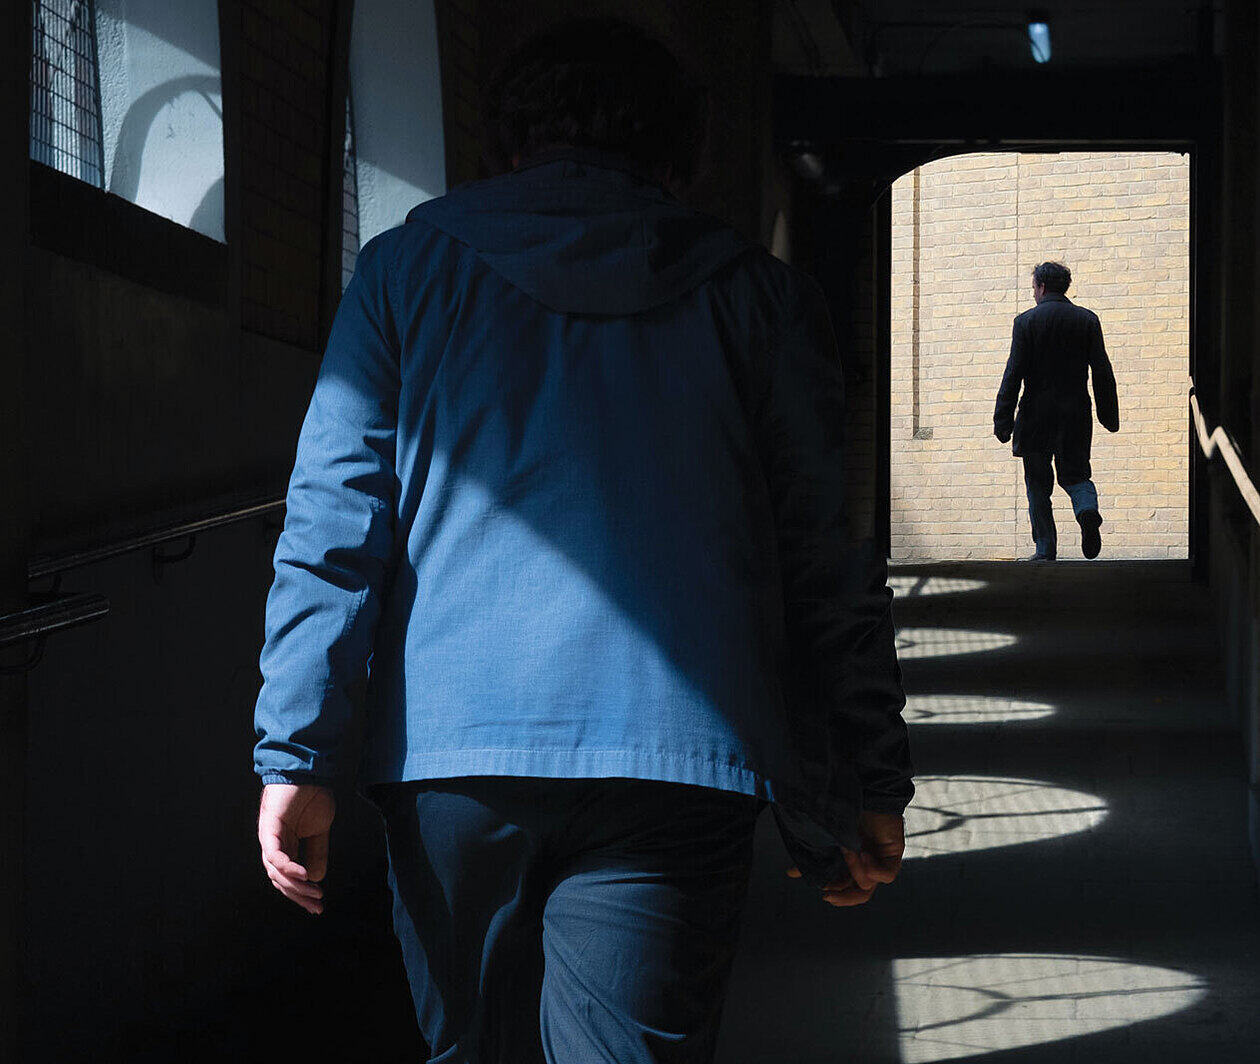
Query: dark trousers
{"points": [[567, 921], [1073, 476]]}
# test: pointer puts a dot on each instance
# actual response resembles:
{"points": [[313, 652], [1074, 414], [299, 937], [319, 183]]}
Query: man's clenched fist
{"points": [[883, 838]]}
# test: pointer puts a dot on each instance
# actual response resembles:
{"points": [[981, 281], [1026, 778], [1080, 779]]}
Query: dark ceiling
{"points": [[911, 37]]}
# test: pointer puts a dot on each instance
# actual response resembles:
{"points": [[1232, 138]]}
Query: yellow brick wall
{"points": [[1120, 222]]}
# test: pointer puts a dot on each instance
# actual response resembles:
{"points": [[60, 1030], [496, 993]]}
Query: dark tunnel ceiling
{"points": [[908, 37]]}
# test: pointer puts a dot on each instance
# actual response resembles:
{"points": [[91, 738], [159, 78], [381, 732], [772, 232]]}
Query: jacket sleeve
{"points": [[837, 603], [1106, 401], [331, 559], [1008, 392]]}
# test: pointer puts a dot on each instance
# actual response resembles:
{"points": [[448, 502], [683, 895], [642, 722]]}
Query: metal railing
{"points": [[52, 611], [63, 562], [1218, 442]]}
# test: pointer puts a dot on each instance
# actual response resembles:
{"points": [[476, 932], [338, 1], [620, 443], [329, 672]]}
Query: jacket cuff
{"points": [[276, 776]]}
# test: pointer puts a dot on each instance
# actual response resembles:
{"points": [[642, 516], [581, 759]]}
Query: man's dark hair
{"points": [[1054, 275], [596, 83]]}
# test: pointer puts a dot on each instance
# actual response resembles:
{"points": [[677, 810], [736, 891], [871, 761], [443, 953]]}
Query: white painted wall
{"points": [[397, 91], [162, 108]]}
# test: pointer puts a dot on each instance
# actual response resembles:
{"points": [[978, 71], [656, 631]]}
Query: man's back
{"points": [[1054, 347], [1061, 336], [615, 512], [584, 533]]}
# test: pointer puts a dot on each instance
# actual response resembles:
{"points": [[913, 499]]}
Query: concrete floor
{"points": [[1078, 887]]}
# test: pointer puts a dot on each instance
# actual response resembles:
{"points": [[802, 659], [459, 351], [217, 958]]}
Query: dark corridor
{"points": [[1082, 884]]}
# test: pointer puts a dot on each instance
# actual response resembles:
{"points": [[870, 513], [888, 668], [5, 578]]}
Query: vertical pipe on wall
{"points": [[1200, 483], [881, 324], [915, 298]]}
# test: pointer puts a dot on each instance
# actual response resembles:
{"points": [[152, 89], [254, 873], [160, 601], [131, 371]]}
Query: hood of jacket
{"points": [[585, 232]]}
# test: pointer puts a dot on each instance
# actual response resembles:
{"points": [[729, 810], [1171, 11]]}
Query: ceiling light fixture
{"points": [[1039, 37]]}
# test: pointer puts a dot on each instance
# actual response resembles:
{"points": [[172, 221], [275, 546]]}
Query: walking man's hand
{"points": [[883, 838], [294, 822]]}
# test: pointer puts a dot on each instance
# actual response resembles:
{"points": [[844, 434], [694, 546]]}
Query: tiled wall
{"points": [[284, 59]]}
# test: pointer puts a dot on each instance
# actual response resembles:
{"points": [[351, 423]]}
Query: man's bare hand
{"points": [[294, 822], [883, 837]]}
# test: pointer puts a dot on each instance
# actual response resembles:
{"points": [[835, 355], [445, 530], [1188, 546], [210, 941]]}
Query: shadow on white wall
{"points": [[162, 108]]}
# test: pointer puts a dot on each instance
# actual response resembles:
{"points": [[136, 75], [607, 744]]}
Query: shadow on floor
{"points": [[1079, 886]]}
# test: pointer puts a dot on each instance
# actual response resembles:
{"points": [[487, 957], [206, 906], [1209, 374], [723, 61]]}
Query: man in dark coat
{"points": [[1055, 346], [564, 585]]}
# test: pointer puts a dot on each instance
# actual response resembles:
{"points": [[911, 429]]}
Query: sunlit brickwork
{"points": [[961, 272]]}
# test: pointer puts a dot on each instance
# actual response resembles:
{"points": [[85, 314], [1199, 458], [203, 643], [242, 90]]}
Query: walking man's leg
{"points": [[463, 871], [641, 927], [1074, 478], [631, 889], [1039, 482]]}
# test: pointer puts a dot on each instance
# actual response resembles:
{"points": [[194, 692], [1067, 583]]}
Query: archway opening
{"points": [[966, 233]]}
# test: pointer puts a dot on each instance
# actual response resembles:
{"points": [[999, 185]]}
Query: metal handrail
{"points": [[1218, 441], [53, 611], [49, 565], [64, 611]]}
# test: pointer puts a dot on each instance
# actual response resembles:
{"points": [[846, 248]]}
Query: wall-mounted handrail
{"points": [[65, 611], [59, 564], [1218, 441], [51, 611]]}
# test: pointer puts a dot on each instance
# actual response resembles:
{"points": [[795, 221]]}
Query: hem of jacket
{"points": [[567, 763], [665, 766]]}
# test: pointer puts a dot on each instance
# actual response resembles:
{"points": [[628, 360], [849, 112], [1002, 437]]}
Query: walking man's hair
{"points": [[1054, 275], [596, 83]]}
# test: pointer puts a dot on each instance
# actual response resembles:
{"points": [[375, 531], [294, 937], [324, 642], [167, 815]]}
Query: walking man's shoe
{"points": [[1091, 541], [1040, 558]]}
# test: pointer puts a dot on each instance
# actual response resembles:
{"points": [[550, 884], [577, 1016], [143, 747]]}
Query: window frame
{"points": [[78, 220], [44, 149], [72, 218]]}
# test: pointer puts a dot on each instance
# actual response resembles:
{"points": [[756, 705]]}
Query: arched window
{"points": [[126, 95], [66, 89]]}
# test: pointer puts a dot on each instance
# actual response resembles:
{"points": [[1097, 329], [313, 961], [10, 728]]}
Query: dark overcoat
{"points": [[1055, 346]]}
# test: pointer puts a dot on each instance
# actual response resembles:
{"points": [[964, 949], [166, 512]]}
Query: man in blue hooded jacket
{"points": [[564, 585]]}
